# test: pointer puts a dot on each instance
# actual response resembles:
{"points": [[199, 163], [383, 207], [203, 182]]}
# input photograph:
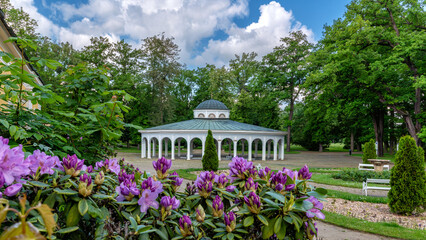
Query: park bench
{"points": [[365, 186], [370, 167]]}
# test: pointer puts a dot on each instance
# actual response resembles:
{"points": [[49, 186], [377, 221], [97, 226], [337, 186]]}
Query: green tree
{"points": [[160, 57], [407, 178], [285, 70], [244, 69], [369, 151], [210, 160], [98, 53], [21, 22]]}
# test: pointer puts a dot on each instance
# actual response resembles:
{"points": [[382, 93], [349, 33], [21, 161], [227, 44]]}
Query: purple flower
{"points": [[162, 165], [45, 162], [291, 174], [185, 226], [238, 167], [253, 202], [304, 173], [279, 187], [316, 210], [206, 176], [230, 188], [217, 206], [99, 165], [12, 190], [222, 180], [85, 186], [200, 214], [230, 221], [154, 186], [12, 164], [90, 169], [169, 203], [1, 180], [252, 172], [176, 180], [122, 176], [290, 187], [264, 173], [311, 233], [190, 188], [1, 194], [100, 178], [109, 165], [127, 190], [147, 200], [278, 178], [72, 165], [204, 188], [250, 185]]}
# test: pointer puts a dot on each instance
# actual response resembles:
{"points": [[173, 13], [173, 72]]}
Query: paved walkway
{"points": [[312, 159]]}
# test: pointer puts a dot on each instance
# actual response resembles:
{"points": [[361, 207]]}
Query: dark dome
{"points": [[212, 104]]}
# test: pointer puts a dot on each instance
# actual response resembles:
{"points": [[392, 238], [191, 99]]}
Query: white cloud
{"points": [[188, 21]]}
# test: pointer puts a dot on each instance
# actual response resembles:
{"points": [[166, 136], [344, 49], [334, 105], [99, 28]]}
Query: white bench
{"points": [[370, 167], [365, 186]]}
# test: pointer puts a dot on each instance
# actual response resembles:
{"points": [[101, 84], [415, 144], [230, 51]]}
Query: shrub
{"points": [[408, 178], [369, 151], [359, 175], [210, 160], [115, 201]]}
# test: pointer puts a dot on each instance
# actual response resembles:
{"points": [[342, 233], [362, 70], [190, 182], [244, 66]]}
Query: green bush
{"points": [[356, 175], [369, 151], [210, 160], [407, 180]]}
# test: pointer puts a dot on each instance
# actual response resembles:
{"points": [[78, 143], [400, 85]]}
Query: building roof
{"points": [[212, 124], [212, 104]]}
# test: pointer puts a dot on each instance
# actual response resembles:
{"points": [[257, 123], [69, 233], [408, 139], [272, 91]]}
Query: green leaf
{"points": [[5, 123], [101, 196], [67, 230], [12, 130], [268, 230], [38, 184], [64, 191], [133, 223], [263, 219], [73, 216], [83, 206], [161, 234], [283, 230], [248, 221], [277, 225], [230, 236], [277, 196]]}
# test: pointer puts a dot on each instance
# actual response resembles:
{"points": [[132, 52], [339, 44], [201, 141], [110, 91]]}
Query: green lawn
{"points": [[386, 156], [128, 150], [383, 228], [355, 197]]}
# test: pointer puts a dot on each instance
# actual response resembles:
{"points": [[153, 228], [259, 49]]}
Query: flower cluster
{"points": [[217, 206], [161, 166], [238, 168], [109, 165], [230, 221], [85, 186], [40, 161], [72, 165]]}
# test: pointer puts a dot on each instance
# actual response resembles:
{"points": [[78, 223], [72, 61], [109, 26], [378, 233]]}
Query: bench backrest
{"points": [[372, 180]]}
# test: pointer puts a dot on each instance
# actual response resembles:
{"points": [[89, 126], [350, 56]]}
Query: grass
{"points": [[384, 228], [356, 197], [128, 150], [327, 179], [386, 156], [186, 173]]}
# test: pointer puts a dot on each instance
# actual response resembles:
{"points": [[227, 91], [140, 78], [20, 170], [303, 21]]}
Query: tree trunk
{"points": [[378, 117], [358, 147], [290, 118], [320, 147], [392, 139], [352, 141]]}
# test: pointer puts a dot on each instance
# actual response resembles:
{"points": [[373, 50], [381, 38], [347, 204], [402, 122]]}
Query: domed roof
{"points": [[212, 104]]}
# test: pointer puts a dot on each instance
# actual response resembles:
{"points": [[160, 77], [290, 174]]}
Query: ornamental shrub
{"points": [[369, 151], [407, 180], [116, 201], [356, 175], [210, 160]]}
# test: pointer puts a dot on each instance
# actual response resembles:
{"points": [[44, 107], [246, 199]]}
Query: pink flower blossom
{"points": [[45, 162], [147, 200], [12, 164], [12, 190]]}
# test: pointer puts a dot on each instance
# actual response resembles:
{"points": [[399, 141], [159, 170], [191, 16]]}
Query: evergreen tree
{"points": [[407, 178], [369, 151], [210, 159]]}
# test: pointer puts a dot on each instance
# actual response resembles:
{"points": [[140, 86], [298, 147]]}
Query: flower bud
{"points": [[253, 203], [200, 214], [12, 190], [217, 206], [100, 178], [185, 226], [85, 186], [230, 221]]}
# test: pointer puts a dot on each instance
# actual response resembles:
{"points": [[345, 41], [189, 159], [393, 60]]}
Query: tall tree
{"points": [[244, 69], [20, 21], [98, 52], [285, 69], [160, 56]]}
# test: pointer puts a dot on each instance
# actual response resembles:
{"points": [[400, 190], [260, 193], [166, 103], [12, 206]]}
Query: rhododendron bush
{"points": [[114, 200]]}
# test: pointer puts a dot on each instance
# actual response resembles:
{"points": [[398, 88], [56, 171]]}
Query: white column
{"points": [[173, 148], [188, 149], [282, 148], [219, 149], [275, 149], [142, 148], [249, 150], [160, 146], [179, 147], [149, 148], [166, 147], [153, 147], [264, 150], [235, 147], [255, 148], [203, 145]]}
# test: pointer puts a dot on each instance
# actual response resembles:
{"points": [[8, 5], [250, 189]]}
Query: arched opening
{"points": [[196, 148], [222, 115], [154, 147], [257, 149], [269, 149], [166, 147], [144, 147], [181, 148], [227, 149], [201, 115], [280, 149], [242, 148], [211, 115]]}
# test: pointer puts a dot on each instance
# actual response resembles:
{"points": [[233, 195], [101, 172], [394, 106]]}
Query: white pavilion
{"points": [[232, 138]]}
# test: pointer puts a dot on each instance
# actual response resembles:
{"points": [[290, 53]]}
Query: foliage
{"points": [[408, 178], [360, 175], [210, 159], [369, 151], [88, 203]]}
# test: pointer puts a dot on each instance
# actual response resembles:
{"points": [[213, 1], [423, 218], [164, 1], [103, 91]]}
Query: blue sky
{"points": [[207, 31]]}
